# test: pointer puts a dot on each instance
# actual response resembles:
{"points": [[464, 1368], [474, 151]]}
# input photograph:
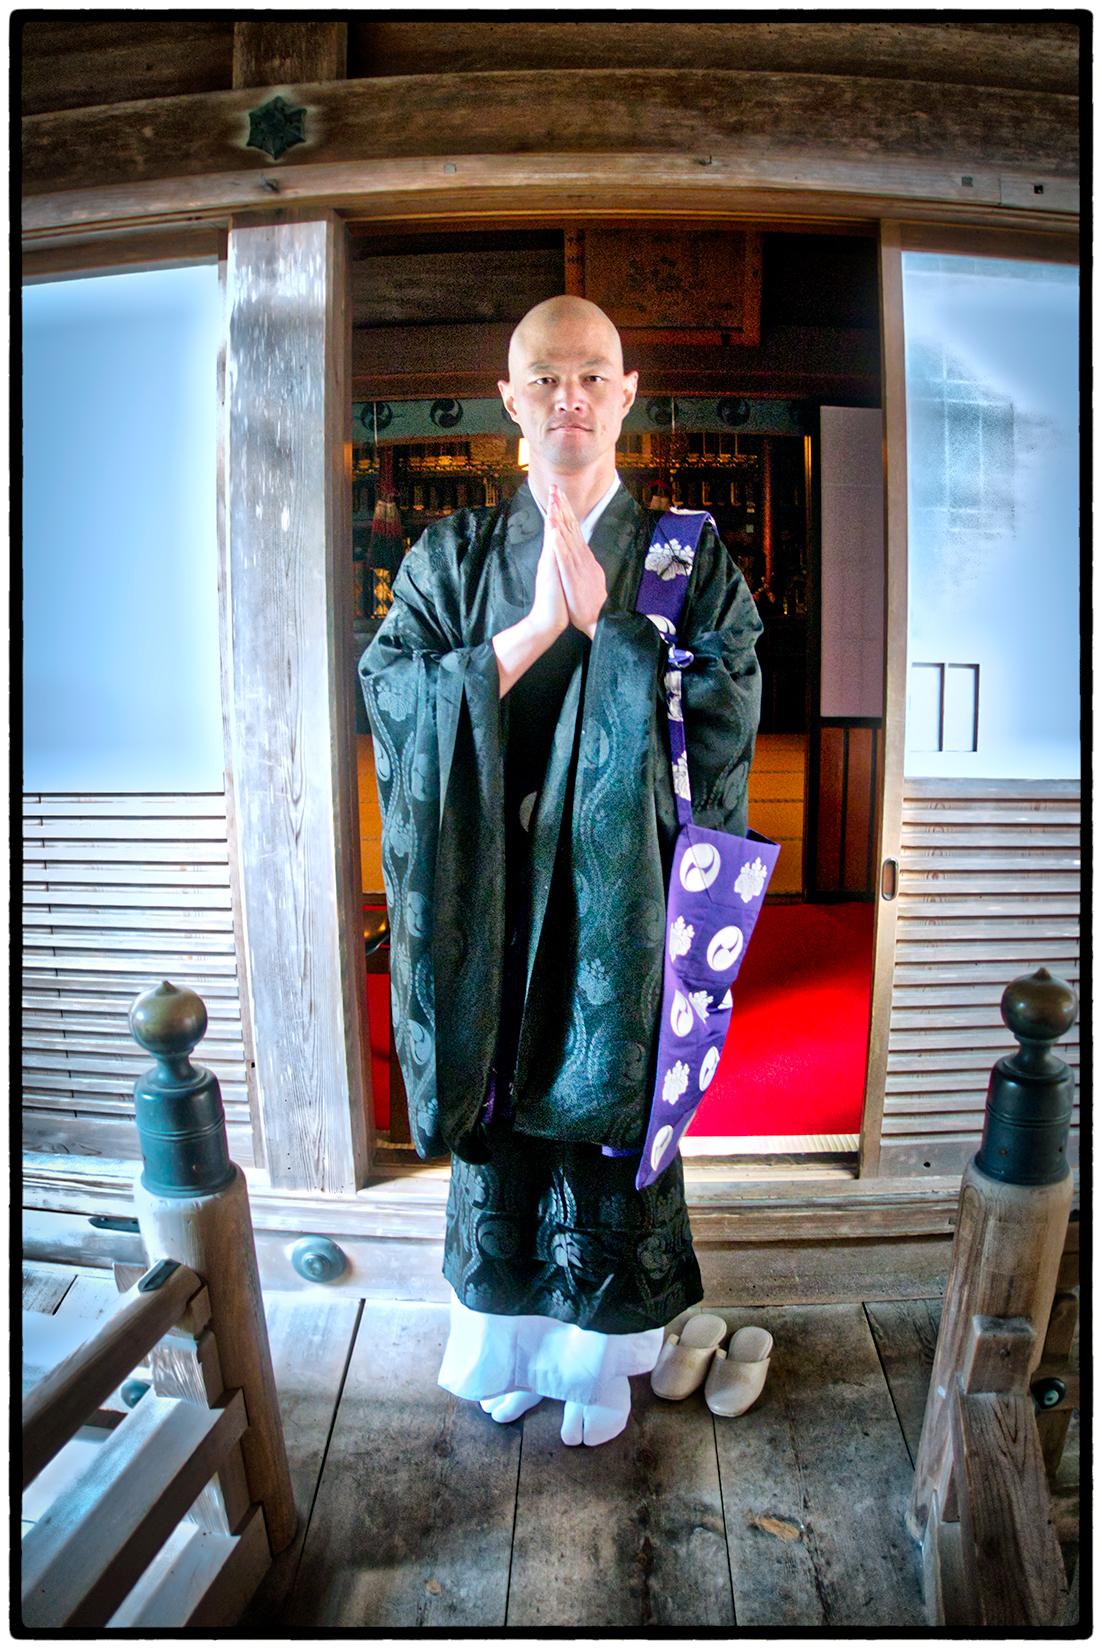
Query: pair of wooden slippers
{"points": [[732, 1378]]}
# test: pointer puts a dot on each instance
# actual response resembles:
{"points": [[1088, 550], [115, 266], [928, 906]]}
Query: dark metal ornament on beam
{"points": [[276, 126]]}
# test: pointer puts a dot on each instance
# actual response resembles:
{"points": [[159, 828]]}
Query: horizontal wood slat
{"points": [[43, 898], [209, 979], [126, 804], [120, 893], [1045, 836], [112, 1137], [936, 1081], [98, 876], [37, 855], [121, 829], [987, 892], [81, 1092], [961, 996], [98, 1013]]}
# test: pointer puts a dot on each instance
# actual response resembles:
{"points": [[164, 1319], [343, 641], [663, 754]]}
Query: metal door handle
{"points": [[889, 879]]}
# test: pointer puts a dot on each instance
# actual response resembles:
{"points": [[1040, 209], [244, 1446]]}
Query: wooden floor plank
{"points": [[628, 1535], [905, 1332], [45, 1285], [414, 1516], [310, 1340], [815, 1482]]}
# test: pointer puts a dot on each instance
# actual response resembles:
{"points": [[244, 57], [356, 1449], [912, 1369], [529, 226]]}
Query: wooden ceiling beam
{"points": [[700, 115], [1039, 53], [288, 51], [529, 189]]}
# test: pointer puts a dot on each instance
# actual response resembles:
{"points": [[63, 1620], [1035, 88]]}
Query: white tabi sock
{"points": [[510, 1406], [595, 1423]]}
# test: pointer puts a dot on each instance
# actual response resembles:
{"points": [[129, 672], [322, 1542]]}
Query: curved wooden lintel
{"points": [[580, 186]]}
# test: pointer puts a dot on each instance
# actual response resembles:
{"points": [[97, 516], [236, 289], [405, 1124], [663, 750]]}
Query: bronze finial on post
{"points": [[178, 1105], [1013, 1212], [193, 1207]]}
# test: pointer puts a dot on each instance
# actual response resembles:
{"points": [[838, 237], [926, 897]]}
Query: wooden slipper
{"points": [[683, 1362], [737, 1375]]}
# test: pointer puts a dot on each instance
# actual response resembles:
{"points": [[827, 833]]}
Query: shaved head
{"points": [[568, 391], [561, 319]]}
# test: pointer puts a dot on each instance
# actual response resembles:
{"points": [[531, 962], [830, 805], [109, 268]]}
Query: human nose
{"points": [[571, 394]]}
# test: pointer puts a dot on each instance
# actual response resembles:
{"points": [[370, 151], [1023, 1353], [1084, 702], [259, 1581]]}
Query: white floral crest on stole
{"points": [[671, 559], [677, 1080], [701, 1001], [681, 777], [673, 695], [681, 937], [750, 881]]}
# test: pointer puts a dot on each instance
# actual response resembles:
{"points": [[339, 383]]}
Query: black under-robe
{"points": [[526, 959]]}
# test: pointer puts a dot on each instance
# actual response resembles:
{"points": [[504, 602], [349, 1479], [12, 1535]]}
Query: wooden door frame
{"points": [[898, 235], [177, 221]]}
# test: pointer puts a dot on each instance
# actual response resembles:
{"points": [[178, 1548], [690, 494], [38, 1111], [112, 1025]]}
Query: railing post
{"points": [[1012, 1217], [192, 1206]]}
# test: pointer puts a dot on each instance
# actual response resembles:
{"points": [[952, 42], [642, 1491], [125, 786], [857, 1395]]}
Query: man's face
{"points": [[567, 389]]}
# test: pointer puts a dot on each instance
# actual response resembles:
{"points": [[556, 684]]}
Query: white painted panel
{"points": [[122, 686], [961, 693], [993, 494], [924, 691], [852, 506]]}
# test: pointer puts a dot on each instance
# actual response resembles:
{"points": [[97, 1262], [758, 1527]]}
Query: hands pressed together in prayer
{"points": [[570, 589]]}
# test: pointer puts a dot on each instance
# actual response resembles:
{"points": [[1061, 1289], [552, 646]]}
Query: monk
{"points": [[516, 702]]}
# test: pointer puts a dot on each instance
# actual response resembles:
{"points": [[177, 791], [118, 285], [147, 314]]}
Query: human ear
{"points": [[631, 385], [505, 389]]}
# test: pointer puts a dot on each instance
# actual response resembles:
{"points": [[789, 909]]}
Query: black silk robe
{"points": [[602, 831]]}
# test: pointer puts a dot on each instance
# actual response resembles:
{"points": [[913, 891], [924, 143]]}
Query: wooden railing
{"points": [[176, 1520], [169, 1483], [981, 1505]]}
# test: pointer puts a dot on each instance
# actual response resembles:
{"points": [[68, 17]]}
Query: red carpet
{"points": [[794, 1062]]}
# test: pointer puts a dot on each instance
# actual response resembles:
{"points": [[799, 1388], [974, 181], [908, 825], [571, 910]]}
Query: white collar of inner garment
{"points": [[595, 513]]}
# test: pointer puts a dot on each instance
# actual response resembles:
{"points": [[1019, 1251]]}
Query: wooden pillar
{"points": [[292, 677], [889, 833], [288, 51]]}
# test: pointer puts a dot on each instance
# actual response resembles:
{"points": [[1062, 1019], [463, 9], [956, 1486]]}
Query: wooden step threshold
{"points": [[751, 1201], [766, 1231]]}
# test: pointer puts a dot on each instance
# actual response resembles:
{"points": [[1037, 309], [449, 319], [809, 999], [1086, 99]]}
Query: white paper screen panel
{"points": [[122, 689], [993, 548]]}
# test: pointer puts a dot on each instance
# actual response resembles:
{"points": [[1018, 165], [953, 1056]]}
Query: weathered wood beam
{"points": [[147, 55], [282, 51], [66, 65], [791, 362], [1038, 54], [699, 113], [293, 729], [824, 191]]}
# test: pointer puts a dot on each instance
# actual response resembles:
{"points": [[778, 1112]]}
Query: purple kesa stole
{"points": [[717, 885]]}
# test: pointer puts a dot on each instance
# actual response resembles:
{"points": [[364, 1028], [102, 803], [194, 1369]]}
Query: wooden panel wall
{"points": [[843, 821], [777, 803], [121, 892], [989, 890]]}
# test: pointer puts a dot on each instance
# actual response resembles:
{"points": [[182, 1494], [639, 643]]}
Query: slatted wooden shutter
{"points": [[988, 890], [121, 892]]}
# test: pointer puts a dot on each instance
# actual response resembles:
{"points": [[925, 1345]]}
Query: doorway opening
{"points": [[730, 418]]}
